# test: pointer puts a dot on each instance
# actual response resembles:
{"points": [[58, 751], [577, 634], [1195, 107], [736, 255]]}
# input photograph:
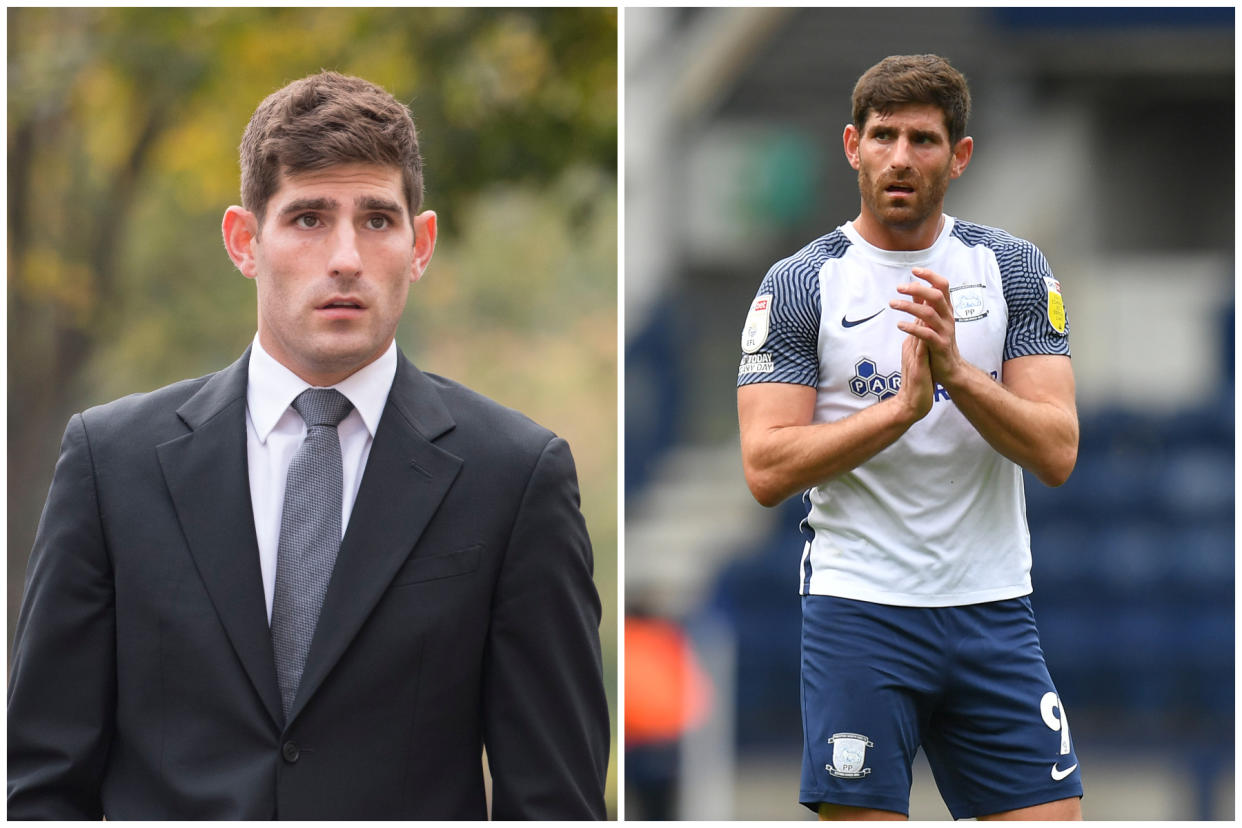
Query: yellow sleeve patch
{"points": [[1056, 305]]}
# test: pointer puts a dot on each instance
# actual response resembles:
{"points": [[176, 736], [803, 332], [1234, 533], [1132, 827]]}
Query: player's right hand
{"points": [[916, 379]]}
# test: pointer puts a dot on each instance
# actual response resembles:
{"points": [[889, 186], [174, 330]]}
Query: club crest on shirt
{"points": [[849, 753], [755, 332], [968, 303], [1056, 305]]}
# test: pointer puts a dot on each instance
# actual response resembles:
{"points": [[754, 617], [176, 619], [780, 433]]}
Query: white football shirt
{"points": [[938, 518]]}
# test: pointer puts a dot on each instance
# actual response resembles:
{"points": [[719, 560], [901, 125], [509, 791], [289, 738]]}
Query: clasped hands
{"points": [[929, 354]]}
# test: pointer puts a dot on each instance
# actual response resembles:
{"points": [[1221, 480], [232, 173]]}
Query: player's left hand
{"points": [[932, 310]]}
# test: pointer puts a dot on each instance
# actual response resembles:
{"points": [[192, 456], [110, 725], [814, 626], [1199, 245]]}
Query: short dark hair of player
{"points": [[323, 120], [914, 79]]}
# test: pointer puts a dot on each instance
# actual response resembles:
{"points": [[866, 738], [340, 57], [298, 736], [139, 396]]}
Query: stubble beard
{"points": [[927, 199]]}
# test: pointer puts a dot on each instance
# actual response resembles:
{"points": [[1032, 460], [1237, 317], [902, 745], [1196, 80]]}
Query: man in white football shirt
{"points": [[902, 371]]}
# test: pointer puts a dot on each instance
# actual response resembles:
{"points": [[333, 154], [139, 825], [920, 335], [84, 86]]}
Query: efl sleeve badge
{"points": [[755, 332]]}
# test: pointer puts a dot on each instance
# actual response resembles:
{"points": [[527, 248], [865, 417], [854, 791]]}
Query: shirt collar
{"points": [[271, 389]]}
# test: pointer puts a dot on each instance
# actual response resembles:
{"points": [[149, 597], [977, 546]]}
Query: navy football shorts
{"points": [[968, 684]]}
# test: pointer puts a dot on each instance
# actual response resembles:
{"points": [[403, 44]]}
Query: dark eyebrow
{"points": [[935, 135], [925, 133], [303, 205], [382, 205]]}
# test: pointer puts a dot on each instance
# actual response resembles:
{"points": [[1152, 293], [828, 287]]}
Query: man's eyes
{"points": [[309, 221], [885, 135]]}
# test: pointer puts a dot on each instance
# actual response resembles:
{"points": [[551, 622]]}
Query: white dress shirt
{"points": [[274, 432]]}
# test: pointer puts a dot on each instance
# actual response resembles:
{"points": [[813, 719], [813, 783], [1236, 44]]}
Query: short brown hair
{"points": [[323, 120], [914, 79]]}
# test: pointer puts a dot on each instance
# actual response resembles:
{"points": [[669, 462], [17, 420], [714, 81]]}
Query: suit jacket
{"points": [[460, 614]]}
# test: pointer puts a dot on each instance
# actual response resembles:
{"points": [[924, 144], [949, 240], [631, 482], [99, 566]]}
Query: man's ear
{"points": [[241, 230], [850, 140], [424, 243], [961, 156]]}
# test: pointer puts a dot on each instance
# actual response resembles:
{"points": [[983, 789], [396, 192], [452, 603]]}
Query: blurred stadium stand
{"points": [[1076, 113]]}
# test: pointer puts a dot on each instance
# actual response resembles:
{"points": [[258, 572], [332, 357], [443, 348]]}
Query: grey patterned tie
{"points": [[310, 535]]}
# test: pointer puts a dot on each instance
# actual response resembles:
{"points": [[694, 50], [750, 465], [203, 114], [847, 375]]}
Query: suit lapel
{"points": [[206, 474], [405, 480]]}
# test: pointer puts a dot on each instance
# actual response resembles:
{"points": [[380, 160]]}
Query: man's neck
{"points": [[899, 237]]}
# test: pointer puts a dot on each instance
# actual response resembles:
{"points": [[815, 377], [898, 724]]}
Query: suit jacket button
{"points": [[290, 752]]}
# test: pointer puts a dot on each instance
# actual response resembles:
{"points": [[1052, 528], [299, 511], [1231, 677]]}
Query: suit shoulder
{"points": [[479, 417], [151, 413]]}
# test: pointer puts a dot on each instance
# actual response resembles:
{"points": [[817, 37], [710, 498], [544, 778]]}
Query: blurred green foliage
{"points": [[123, 126]]}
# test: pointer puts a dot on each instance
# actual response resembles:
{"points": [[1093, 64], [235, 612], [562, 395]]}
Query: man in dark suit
{"points": [[203, 636]]}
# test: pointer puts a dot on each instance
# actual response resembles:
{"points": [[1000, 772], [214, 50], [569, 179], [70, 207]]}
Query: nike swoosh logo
{"points": [[849, 323], [1058, 774]]}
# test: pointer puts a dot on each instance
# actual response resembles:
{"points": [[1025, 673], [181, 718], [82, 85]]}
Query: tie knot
{"points": [[322, 406]]}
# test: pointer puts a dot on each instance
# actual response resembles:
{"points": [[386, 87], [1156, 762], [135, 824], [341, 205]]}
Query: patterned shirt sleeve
{"points": [[1038, 323], [780, 339]]}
